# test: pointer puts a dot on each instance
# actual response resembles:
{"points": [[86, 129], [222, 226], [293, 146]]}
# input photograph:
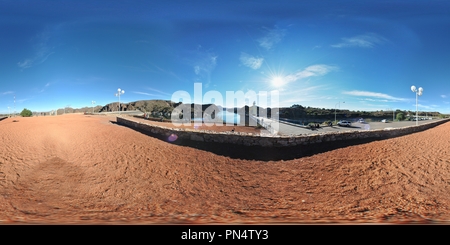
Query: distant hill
{"points": [[78, 110], [150, 106], [295, 112], [142, 105]]}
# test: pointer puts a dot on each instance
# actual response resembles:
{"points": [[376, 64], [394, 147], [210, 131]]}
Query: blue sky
{"points": [[315, 53]]}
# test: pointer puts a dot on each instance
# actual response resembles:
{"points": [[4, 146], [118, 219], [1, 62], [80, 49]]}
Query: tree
{"points": [[400, 116], [26, 113]]}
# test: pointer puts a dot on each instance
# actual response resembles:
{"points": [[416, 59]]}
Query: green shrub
{"points": [[400, 116], [26, 113]]}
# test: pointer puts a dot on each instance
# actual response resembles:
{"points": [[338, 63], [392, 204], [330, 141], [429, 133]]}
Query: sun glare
{"points": [[277, 81]]}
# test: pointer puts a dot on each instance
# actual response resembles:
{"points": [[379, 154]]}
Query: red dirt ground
{"points": [[85, 170], [218, 128]]}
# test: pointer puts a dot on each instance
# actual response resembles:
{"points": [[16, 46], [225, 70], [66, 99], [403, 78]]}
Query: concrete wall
{"points": [[272, 141]]}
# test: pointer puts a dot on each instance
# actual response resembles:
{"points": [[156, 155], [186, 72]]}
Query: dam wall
{"points": [[248, 139]]}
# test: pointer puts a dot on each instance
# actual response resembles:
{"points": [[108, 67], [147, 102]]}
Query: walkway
{"points": [[285, 128]]}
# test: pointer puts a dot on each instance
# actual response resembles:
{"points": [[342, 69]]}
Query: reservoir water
{"points": [[226, 116]]}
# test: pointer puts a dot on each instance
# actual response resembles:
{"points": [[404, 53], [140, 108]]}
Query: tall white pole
{"points": [[417, 118], [119, 91], [335, 109], [418, 93], [393, 113]]}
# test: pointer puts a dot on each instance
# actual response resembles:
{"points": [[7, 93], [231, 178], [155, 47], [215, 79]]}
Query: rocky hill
{"points": [[78, 110], [142, 105]]}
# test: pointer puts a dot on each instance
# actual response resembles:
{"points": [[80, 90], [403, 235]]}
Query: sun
{"points": [[277, 81]]}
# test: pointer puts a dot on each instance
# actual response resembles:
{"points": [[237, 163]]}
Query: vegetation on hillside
{"points": [[156, 107], [164, 108], [298, 112]]}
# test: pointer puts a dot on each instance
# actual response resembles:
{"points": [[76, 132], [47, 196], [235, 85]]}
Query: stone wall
{"points": [[248, 139]]}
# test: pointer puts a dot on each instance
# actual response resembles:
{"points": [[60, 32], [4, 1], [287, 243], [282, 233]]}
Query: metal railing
{"points": [[267, 126]]}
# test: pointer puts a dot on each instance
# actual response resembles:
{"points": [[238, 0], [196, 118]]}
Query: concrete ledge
{"points": [[272, 141]]}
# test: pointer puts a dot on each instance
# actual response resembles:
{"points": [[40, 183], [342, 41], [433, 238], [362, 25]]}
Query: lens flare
{"points": [[172, 137]]}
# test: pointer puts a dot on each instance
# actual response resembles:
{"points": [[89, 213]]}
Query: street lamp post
{"points": [[418, 93], [335, 109], [393, 113], [119, 92], [67, 106], [9, 111], [93, 102]]}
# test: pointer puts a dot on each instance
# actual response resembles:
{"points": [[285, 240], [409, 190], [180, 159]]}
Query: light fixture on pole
{"points": [[119, 92], [93, 102], [418, 92], [335, 109]]}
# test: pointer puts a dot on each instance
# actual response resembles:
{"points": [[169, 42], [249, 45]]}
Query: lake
{"points": [[226, 116]]}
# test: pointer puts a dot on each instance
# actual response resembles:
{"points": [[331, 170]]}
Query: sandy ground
{"points": [[87, 169], [203, 126]]}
